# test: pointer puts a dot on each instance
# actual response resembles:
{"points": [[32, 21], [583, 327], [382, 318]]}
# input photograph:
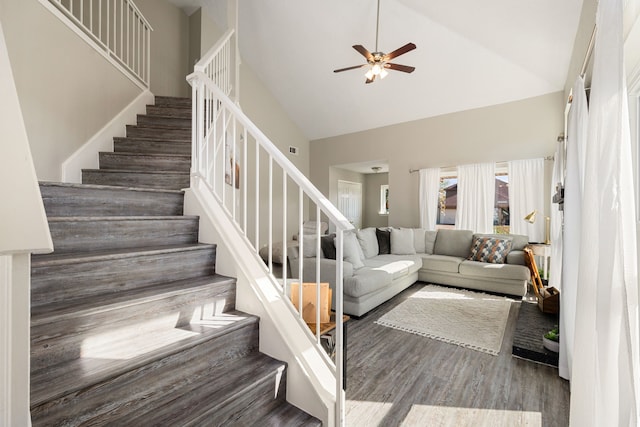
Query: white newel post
{"points": [[14, 340]]}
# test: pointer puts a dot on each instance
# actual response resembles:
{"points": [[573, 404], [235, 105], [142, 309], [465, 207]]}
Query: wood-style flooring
{"points": [[395, 378]]}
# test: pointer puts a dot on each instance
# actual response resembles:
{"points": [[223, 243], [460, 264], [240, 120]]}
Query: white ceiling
{"points": [[469, 54]]}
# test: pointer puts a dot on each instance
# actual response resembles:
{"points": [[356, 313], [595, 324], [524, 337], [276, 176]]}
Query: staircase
{"points": [[130, 323]]}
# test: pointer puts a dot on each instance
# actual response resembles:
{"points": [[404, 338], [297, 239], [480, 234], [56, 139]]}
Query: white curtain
{"points": [[605, 377], [574, 179], [429, 190], [526, 194], [476, 197], [555, 273]]}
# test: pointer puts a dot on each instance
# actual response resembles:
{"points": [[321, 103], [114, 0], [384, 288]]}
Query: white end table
{"points": [[542, 250]]}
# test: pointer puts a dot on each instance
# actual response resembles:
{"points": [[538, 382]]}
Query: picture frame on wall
{"points": [[231, 166]]}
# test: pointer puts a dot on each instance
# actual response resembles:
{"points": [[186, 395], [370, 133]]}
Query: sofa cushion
{"points": [[351, 250], [442, 263], [516, 257], [402, 241], [328, 246], [453, 242], [430, 241], [384, 241], [365, 281], [419, 243], [368, 241], [396, 265], [490, 249], [495, 271]]}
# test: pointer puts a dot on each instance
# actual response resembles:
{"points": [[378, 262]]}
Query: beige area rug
{"points": [[465, 318]]}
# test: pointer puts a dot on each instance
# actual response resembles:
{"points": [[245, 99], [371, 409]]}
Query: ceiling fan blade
{"points": [[371, 79], [349, 68], [363, 51], [400, 51], [398, 67]]}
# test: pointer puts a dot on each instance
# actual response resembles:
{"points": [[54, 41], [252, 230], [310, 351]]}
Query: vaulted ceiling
{"points": [[469, 54]]}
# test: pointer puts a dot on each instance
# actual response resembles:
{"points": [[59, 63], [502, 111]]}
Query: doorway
{"points": [[350, 201]]}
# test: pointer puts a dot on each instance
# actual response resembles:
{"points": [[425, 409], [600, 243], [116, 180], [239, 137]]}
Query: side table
{"points": [[542, 250]]}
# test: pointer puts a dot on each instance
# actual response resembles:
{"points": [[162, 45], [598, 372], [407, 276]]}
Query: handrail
{"points": [[328, 208], [116, 28], [208, 57], [222, 134]]}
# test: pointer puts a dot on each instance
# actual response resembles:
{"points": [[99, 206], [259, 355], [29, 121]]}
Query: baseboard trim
{"points": [[86, 157]]}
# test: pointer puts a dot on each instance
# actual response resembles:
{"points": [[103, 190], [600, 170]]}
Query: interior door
{"points": [[350, 201]]}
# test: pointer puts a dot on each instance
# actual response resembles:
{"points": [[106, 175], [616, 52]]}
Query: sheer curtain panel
{"points": [[429, 190], [605, 376], [476, 197], [576, 146], [526, 194], [555, 274]]}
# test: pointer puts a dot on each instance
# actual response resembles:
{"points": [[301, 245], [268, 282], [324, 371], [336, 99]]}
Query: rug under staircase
{"points": [[130, 323]]}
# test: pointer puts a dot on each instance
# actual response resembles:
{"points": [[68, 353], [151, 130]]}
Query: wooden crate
{"points": [[309, 295]]}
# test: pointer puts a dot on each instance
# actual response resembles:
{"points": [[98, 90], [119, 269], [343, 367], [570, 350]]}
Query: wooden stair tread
{"points": [[152, 155], [147, 139], [223, 388], [108, 187], [65, 378], [123, 218], [286, 414], [146, 172], [63, 258], [91, 305]]}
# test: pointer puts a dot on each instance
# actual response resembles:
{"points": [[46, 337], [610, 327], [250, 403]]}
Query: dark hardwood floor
{"points": [[395, 378]]}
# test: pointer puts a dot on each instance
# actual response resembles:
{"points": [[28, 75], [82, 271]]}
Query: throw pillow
{"points": [[368, 241], [419, 240], [384, 241], [402, 241], [309, 246], [430, 241], [490, 249], [352, 251], [328, 246]]}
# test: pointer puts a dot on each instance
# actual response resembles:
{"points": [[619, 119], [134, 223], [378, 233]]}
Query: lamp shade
{"points": [[531, 217]]}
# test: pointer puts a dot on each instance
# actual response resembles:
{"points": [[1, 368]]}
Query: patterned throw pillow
{"points": [[490, 249]]}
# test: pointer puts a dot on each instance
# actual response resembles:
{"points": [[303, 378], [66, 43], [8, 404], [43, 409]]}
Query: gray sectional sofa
{"points": [[373, 276]]}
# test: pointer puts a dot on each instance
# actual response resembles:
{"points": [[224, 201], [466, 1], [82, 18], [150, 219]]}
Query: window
{"points": [[384, 200], [448, 198]]}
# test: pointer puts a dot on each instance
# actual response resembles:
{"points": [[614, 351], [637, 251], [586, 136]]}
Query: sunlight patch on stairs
{"points": [[116, 344]]}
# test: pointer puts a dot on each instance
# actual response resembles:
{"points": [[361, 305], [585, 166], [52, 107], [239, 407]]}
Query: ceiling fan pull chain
{"points": [[377, 26]]}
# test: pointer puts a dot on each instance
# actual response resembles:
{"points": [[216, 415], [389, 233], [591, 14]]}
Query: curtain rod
{"points": [[449, 167], [585, 63], [587, 55]]}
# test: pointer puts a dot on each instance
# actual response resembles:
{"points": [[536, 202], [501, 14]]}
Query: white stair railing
{"points": [[118, 28], [228, 154]]}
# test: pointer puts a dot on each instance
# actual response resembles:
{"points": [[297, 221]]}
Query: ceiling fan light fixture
{"points": [[379, 61]]}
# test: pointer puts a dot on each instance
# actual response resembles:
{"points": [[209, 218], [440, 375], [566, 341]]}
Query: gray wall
{"points": [[517, 130], [67, 90], [371, 203], [265, 111], [169, 47]]}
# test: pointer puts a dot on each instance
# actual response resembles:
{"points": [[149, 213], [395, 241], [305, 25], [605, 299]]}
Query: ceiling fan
{"points": [[379, 61]]}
